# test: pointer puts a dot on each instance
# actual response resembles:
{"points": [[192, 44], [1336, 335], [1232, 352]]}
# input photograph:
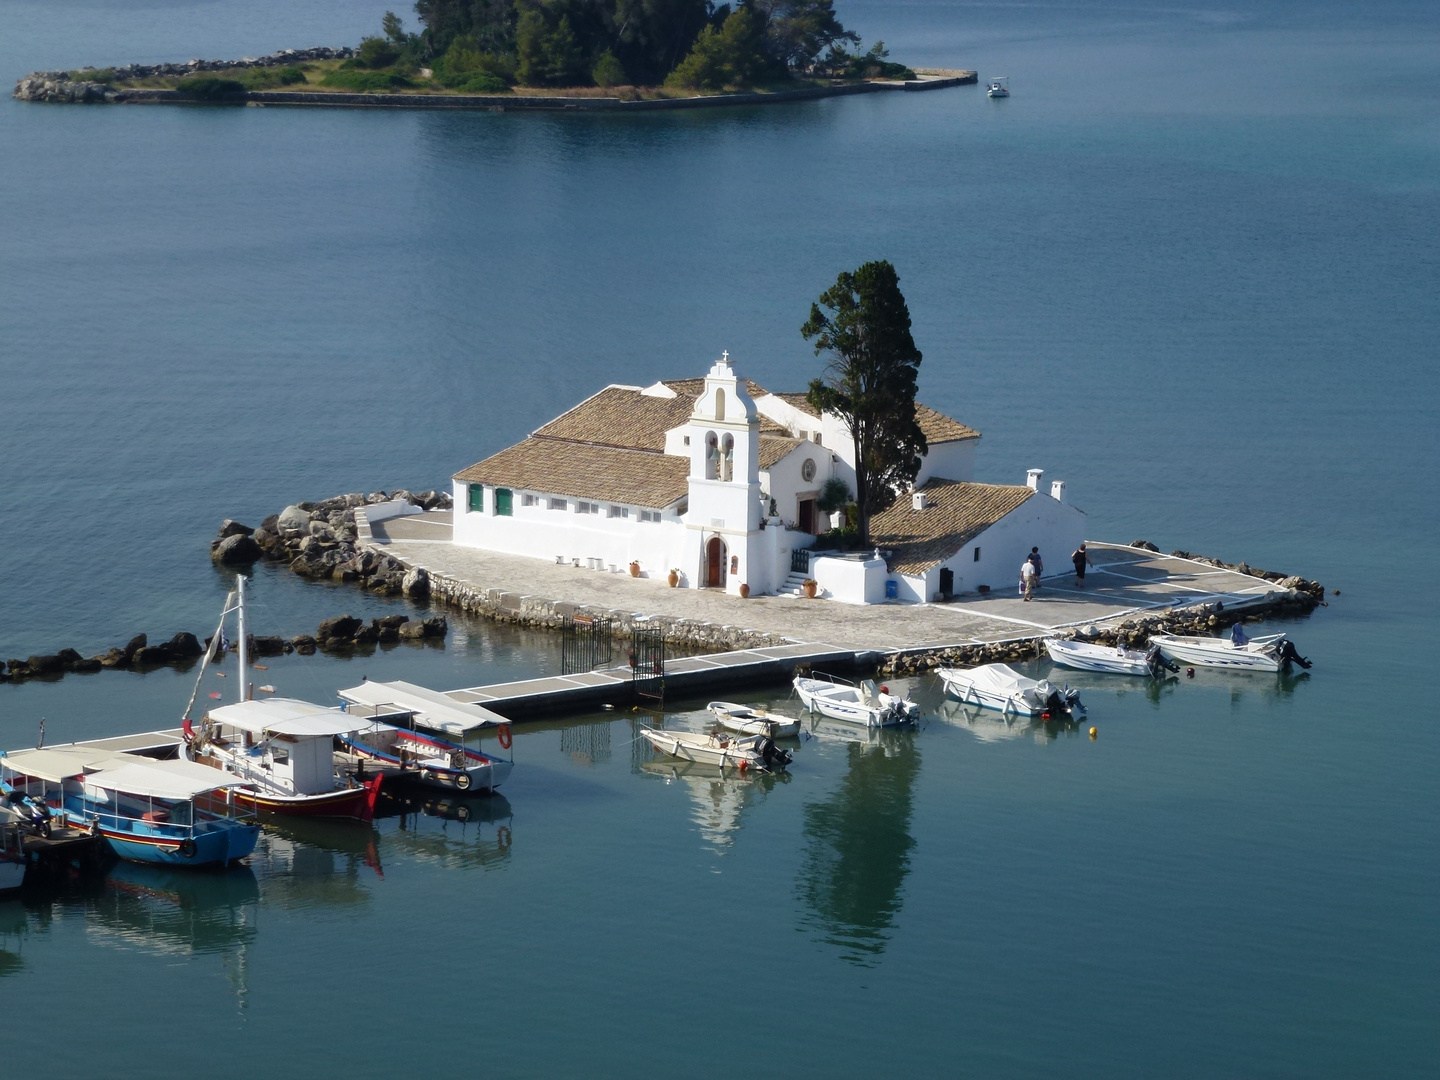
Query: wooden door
{"points": [[714, 562], [807, 515]]}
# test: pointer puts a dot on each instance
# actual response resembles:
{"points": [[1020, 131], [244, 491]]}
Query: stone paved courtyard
{"points": [[1124, 580]]}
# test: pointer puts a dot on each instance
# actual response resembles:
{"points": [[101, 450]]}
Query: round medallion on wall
{"points": [[807, 471]]}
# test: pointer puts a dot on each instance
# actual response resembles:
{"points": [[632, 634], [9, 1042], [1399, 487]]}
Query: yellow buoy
{"points": [[1092, 733]]}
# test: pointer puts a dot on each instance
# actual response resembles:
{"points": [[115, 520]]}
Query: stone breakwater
{"points": [[75, 87], [1294, 596]]}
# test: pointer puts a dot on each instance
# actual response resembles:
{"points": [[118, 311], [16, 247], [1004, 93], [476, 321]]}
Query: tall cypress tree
{"points": [[870, 381]]}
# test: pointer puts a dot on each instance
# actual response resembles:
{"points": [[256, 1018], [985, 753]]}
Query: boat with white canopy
{"points": [[868, 704], [999, 87], [172, 812], [1271, 652], [727, 751], [753, 720], [426, 708], [1111, 659], [997, 686]]}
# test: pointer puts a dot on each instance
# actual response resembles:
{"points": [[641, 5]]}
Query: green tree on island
{"points": [[870, 381]]}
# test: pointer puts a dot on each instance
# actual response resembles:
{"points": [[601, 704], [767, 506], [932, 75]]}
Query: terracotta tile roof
{"points": [[602, 473], [957, 513], [620, 416], [939, 428], [774, 448]]}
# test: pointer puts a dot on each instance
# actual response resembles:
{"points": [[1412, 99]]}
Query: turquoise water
{"points": [[1191, 266]]}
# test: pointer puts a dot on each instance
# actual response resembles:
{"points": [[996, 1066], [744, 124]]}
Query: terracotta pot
{"points": [[674, 579], [634, 569], [810, 589], [744, 592]]}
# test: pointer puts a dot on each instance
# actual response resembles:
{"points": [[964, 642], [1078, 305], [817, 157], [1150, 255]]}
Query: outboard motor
{"points": [[772, 755], [1158, 663], [1289, 656]]}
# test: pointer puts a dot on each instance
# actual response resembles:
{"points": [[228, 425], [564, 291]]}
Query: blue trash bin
{"points": [[892, 589]]}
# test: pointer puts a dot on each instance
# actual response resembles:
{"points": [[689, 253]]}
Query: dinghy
{"points": [[864, 704], [745, 720], [996, 686], [1111, 659], [744, 753], [1273, 652]]}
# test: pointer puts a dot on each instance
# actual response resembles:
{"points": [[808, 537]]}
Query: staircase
{"points": [[792, 585]]}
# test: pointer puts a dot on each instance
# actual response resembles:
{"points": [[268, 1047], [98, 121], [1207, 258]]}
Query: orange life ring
{"points": [[505, 739]]}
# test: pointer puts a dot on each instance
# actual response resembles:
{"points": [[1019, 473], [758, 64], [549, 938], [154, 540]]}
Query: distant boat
{"points": [[1273, 652], [749, 752], [996, 686], [1112, 659], [999, 86], [745, 720], [864, 704]]}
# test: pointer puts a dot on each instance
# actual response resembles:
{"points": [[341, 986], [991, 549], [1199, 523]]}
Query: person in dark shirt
{"points": [[1081, 558], [1034, 560]]}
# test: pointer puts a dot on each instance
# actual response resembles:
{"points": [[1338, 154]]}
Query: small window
{"points": [[587, 508], [503, 502], [618, 512], [477, 498], [529, 500], [559, 504], [977, 552], [649, 515], [817, 439], [682, 507], [687, 440]]}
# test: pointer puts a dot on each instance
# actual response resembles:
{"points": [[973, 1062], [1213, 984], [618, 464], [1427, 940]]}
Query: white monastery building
{"points": [[717, 479]]}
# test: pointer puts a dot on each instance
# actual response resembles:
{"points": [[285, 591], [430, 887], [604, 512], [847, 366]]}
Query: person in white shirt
{"points": [[1027, 578]]}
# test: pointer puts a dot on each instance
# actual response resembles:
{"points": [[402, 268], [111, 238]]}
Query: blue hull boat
{"points": [[213, 842]]}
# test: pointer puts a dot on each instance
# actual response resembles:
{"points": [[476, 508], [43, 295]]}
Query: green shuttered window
{"points": [[503, 498], [477, 498]]}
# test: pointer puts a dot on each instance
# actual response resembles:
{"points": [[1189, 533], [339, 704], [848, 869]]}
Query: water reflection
{"points": [[717, 800], [455, 830], [857, 849], [991, 725], [316, 863], [174, 910]]}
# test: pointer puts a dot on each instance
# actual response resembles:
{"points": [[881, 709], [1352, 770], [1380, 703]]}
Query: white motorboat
{"points": [[999, 87], [996, 686], [746, 720], [868, 704], [747, 752], [1112, 659], [1272, 652]]}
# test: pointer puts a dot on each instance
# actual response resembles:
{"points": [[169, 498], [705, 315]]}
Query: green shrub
{"points": [[269, 78], [464, 61], [102, 75], [365, 81], [608, 71], [209, 88], [376, 52], [733, 55], [837, 540], [483, 83]]}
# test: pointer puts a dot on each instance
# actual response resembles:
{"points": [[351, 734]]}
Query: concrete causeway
{"points": [[1124, 581]]}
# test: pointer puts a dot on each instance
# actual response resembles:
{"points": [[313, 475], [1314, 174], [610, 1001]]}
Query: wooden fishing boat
{"points": [[743, 753], [864, 704], [997, 686], [1111, 659], [427, 759], [749, 720]]}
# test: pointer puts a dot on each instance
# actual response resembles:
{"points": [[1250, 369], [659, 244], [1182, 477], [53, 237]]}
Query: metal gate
{"points": [[586, 642], [647, 664]]}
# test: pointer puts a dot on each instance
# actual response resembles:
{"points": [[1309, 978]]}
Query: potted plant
{"points": [[635, 568], [744, 592], [674, 578], [810, 585]]}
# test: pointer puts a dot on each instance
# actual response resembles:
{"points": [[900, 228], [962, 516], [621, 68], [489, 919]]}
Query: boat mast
{"points": [[240, 642]]}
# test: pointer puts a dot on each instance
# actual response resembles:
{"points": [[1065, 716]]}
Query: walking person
{"points": [[1081, 558], [1034, 559], [1027, 579]]}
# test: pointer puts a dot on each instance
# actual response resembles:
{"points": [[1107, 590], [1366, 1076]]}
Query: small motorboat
{"points": [[427, 759], [747, 752], [868, 704], [1272, 652], [1111, 659], [746, 720], [996, 686], [999, 87]]}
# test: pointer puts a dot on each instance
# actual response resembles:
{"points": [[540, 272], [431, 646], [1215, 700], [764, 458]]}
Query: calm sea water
{"points": [[1191, 267]]}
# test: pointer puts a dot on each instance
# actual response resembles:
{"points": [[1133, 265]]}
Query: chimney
{"points": [[1033, 477], [1057, 490], [918, 501]]}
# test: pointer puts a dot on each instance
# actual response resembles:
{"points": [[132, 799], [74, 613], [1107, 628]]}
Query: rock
{"points": [[152, 655], [435, 627], [48, 664], [416, 584], [271, 523], [19, 669], [367, 635], [392, 622], [341, 626], [185, 645], [389, 584], [266, 645], [69, 657], [412, 631], [292, 519], [269, 542], [387, 635], [113, 658], [237, 549], [343, 573], [304, 644], [86, 667], [320, 530], [1145, 544], [134, 645], [230, 527]]}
